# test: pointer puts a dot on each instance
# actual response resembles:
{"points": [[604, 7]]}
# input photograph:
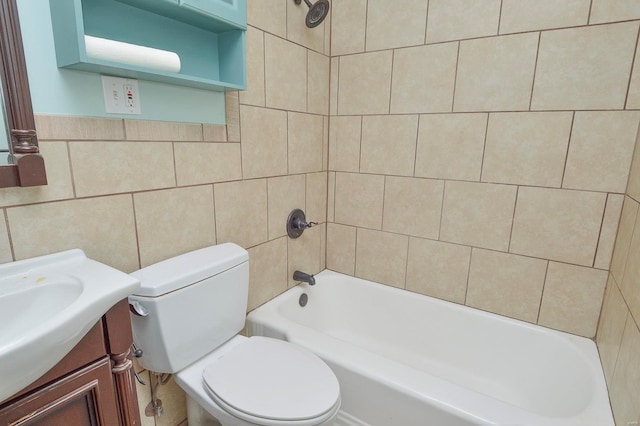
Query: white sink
{"points": [[47, 305]]}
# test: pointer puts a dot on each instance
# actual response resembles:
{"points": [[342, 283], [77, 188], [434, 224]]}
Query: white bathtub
{"points": [[403, 359]]}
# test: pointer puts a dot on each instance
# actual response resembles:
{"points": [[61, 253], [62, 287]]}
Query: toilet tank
{"points": [[195, 303]]}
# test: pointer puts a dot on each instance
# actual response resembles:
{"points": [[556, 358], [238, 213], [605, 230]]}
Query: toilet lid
{"points": [[272, 379]]}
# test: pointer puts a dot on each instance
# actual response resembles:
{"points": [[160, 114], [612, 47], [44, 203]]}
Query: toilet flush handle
{"points": [[137, 309]]}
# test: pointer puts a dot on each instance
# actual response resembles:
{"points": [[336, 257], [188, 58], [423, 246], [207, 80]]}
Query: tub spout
{"points": [[301, 276]]}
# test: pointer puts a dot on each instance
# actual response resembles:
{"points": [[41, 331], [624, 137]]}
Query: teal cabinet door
{"points": [[234, 11]]}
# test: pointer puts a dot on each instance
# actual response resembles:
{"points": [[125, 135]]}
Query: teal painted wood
{"points": [[64, 91], [232, 11], [210, 59], [213, 15]]}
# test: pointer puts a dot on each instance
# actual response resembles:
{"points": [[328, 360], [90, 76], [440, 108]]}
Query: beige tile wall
{"points": [[480, 153], [131, 193], [618, 336]]}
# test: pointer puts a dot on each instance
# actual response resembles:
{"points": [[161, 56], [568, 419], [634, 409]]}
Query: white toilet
{"points": [[193, 307]]}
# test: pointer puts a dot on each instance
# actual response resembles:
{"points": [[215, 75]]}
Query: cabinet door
{"points": [[86, 397], [229, 10]]}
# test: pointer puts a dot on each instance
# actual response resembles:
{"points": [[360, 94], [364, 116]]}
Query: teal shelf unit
{"points": [[207, 35]]}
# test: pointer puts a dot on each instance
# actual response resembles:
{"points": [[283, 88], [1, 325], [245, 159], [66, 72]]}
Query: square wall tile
{"points": [[348, 26], [451, 146], [318, 83], [496, 74], [532, 15], [344, 143], [623, 390], [255, 93], [438, 269], [166, 232], [103, 227], [214, 133], [268, 15], [424, 78], [572, 299], [305, 133], [174, 402], [299, 33], [477, 214], [614, 10], [316, 199], [601, 150], [459, 19], [59, 185], [558, 224], [633, 96], [412, 206], [198, 163], [132, 166], [341, 248], [232, 112], [506, 284], [527, 148], [331, 196], [395, 23], [381, 257], [362, 92], [630, 285], [388, 144], [264, 142], [325, 143], [359, 200], [285, 74], [304, 253], [333, 86], [5, 247], [623, 238], [633, 186], [608, 232], [56, 127], [612, 321], [267, 271], [285, 194], [241, 212], [584, 68], [145, 130]]}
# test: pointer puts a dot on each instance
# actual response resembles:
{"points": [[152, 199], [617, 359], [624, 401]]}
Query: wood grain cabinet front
{"points": [[93, 385]]}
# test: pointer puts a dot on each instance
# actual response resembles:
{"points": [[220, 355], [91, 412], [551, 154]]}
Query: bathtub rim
{"points": [[298, 334]]}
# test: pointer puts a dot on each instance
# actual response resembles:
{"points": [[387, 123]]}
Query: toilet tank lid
{"points": [[189, 268]]}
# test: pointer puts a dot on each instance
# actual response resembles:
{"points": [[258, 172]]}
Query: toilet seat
{"points": [[267, 381]]}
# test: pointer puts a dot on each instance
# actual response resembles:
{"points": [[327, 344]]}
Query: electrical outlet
{"points": [[121, 95]]}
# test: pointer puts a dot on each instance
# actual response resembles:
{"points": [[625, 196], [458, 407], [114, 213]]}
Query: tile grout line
{"points": [[500, 17], [426, 24], [604, 213], [566, 157], [633, 62], [135, 224], [535, 69], [466, 290], [455, 80], [484, 148], [544, 286], [513, 219], [5, 215]]}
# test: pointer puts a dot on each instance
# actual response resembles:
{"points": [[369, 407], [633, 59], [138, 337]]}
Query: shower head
{"points": [[317, 12]]}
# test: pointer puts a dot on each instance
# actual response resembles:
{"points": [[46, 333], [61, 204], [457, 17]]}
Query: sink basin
{"points": [[47, 305]]}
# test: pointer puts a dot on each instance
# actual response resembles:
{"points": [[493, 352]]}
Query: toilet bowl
{"points": [[262, 381], [189, 310]]}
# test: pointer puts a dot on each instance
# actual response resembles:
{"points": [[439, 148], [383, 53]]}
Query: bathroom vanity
{"points": [[92, 385]]}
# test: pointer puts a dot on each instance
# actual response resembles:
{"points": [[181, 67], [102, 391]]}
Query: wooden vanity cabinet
{"points": [[92, 385]]}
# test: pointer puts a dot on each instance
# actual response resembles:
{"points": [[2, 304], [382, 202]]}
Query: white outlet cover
{"points": [[115, 98]]}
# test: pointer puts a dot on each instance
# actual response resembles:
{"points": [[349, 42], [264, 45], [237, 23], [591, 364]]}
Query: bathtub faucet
{"points": [[301, 276]]}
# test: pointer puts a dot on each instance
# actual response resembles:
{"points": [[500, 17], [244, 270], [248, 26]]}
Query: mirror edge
{"points": [[27, 168]]}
